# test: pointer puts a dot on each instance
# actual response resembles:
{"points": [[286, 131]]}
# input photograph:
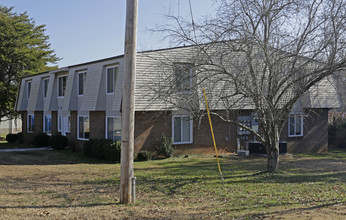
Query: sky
{"points": [[85, 30]]}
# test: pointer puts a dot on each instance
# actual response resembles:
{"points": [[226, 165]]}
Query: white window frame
{"points": [[63, 90], [84, 73], [296, 116], [28, 88], [45, 86], [83, 116], [116, 67], [181, 129], [30, 129], [60, 123], [44, 124], [107, 117]]}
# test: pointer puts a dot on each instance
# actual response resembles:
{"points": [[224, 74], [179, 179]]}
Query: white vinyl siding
{"points": [[295, 125], [83, 128], [30, 123], [182, 129], [45, 87], [81, 82], [61, 85], [113, 128], [111, 74], [47, 124]]}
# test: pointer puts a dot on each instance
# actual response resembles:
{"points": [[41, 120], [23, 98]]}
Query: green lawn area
{"points": [[60, 182]]}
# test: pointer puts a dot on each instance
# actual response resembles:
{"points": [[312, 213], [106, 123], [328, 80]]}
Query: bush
{"points": [[41, 140], [20, 137], [103, 149], [58, 142], [112, 151], [11, 138], [143, 155], [165, 147]]}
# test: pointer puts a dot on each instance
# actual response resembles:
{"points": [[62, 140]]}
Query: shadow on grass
{"points": [[56, 157], [60, 206]]}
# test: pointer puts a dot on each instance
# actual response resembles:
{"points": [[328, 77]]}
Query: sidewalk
{"points": [[26, 149]]}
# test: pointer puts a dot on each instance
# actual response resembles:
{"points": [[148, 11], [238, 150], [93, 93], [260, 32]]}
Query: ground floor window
{"points": [[295, 125], [59, 123], [182, 129], [31, 123], [113, 128], [47, 124], [83, 127]]}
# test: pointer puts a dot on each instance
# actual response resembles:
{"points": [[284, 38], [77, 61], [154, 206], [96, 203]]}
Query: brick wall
{"points": [[97, 124], [38, 118], [54, 122], [315, 133]]}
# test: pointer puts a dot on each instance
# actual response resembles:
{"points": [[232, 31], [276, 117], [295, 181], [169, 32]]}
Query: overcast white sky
{"points": [[86, 30]]}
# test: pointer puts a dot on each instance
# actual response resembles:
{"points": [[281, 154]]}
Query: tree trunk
{"points": [[272, 147], [273, 160]]}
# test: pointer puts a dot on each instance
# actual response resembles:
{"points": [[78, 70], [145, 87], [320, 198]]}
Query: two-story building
{"points": [[83, 101]]}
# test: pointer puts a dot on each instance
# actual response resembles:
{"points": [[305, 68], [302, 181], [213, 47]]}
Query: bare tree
{"points": [[257, 54]]}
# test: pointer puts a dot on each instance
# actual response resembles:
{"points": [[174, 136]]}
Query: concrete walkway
{"points": [[25, 149]]}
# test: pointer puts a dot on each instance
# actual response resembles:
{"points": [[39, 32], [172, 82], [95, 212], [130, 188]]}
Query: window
{"points": [[30, 123], [111, 74], [113, 128], [47, 124], [81, 82], [182, 129], [61, 85], [28, 86], [183, 77], [295, 125], [83, 127], [67, 123], [59, 123], [45, 87]]}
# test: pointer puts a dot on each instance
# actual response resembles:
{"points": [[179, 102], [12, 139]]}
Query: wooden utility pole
{"points": [[128, 112]]}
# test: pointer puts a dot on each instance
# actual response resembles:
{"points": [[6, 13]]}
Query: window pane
{"points": [[86, 128], [110, 129], [81, 127], [29, 89], [117, 129], [186, 129], [291, 122], [177, 129], [110, 80], [298, 125], [80, 83], [45, 87]]}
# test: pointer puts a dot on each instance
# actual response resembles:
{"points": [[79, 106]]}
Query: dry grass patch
{"points": [[64, 185]]}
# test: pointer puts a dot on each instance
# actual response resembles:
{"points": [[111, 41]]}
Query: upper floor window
{"points": [[30, 123], [113, 128], [45, 87], [183, 77], [182, 129], [111, 74], [295, 125], [61, 85], [81, 82], [28, 86]]}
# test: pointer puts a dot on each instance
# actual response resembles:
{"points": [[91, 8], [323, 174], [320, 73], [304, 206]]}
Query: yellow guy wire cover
{"points": [[212, 134]]}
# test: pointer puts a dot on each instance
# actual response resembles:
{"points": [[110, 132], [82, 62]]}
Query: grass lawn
{"points": [[64, 185], [5, 145]]}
